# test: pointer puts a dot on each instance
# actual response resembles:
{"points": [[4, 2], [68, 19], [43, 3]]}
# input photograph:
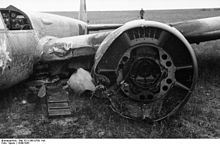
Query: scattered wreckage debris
{"points": [[54, 89], [42, 92], [55, 97], [56, 93], [58, 103], [81, 81]]}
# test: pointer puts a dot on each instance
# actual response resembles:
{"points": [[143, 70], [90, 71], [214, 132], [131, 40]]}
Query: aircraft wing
{"points": [[97, 27], [195, 31], [199, 30]]}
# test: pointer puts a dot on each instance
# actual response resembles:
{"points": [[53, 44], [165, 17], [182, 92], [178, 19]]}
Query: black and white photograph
{"points": [[109, 69]]}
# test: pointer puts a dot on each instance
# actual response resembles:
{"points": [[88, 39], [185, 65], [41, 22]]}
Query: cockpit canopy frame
{"points": [[15, 19]]}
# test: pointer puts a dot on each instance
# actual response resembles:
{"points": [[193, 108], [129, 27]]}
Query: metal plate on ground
{"points": [[57, 102]]}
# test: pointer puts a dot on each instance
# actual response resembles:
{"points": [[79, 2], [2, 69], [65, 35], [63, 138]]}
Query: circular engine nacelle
{"points": [[151, 67]]}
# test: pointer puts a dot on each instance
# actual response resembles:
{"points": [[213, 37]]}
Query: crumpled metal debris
{"points": [[125, 107], [53, 48], [81, 81], [42, 91]]}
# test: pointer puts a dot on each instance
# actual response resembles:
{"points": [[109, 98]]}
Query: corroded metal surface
{"points": [[17, 60]]}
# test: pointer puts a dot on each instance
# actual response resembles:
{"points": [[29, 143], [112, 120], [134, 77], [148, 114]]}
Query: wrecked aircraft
{"points": [[142, 65]]}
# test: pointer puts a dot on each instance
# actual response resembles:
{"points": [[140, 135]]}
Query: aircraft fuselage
{"points": [[20, 34]]}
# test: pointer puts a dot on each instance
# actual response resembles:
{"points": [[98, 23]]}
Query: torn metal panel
{"points": [[65, 48]]}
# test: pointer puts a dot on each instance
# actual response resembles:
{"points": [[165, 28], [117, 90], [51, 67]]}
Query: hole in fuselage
{"points": [[125, 59], [121, 66], [168, 64], [169, 81], [164, 56], [165, 88]]}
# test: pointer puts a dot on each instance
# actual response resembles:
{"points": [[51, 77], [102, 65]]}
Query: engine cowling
{"points": [[150, 67]]}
